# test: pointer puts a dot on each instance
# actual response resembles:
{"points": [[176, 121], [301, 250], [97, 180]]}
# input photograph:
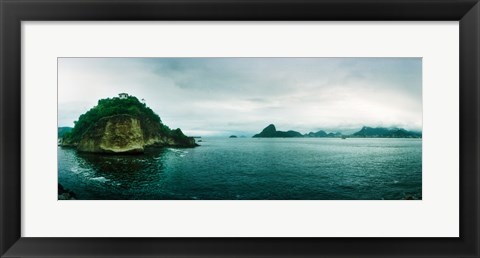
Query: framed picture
{"points": [[239, 128]]}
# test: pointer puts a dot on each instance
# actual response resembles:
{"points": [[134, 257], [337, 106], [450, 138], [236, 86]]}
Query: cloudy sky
{"points": [[223, 96]]}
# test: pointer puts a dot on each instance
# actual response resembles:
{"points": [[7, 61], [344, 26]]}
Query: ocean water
{"points": [[252, 169]]}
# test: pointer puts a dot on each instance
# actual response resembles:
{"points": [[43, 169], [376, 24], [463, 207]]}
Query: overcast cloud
{"points": [[223, 96]]}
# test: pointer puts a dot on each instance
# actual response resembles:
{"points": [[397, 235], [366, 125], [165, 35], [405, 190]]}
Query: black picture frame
{"points": [[13, 12]]}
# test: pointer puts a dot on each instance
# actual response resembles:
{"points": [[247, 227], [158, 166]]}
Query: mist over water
{"points": [[252, 169]]}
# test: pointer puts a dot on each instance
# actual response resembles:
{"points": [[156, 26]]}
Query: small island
{"points": [[233, 136], [121, 125]]}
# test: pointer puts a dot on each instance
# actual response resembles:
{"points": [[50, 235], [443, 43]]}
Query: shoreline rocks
{"points": [[65, 194]]}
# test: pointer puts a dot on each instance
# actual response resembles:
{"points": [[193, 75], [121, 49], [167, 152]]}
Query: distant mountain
{"points": [[337, 134], [322, 133], [366, 132], [271, 132], [63, 130], [382, 132]]}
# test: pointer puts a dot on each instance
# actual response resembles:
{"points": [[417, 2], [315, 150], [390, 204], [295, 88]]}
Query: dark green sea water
{"points": [[252, 169]]}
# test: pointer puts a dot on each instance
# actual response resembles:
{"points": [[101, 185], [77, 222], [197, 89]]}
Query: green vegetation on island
{"points": [[122, 125]]}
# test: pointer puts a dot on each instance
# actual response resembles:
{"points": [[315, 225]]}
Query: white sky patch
{"points": [[223, 96]]}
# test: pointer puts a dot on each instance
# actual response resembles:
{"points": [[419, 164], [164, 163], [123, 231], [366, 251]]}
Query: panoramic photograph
{"points": [[238, 128]]}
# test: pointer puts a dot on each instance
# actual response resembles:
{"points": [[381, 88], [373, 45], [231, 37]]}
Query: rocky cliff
{"points": [[115, 134], [122, 125], [126, 134]]}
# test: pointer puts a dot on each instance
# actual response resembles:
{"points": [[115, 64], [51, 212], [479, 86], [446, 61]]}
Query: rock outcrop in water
{"points": [[124, 134], [122, 125]]}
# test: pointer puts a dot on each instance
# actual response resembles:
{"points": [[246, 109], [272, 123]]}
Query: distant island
{"points": [[233, 136], [63, 130], [382, 132], [322, 133], [366, 132], [271, 132], [121, 124]]}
